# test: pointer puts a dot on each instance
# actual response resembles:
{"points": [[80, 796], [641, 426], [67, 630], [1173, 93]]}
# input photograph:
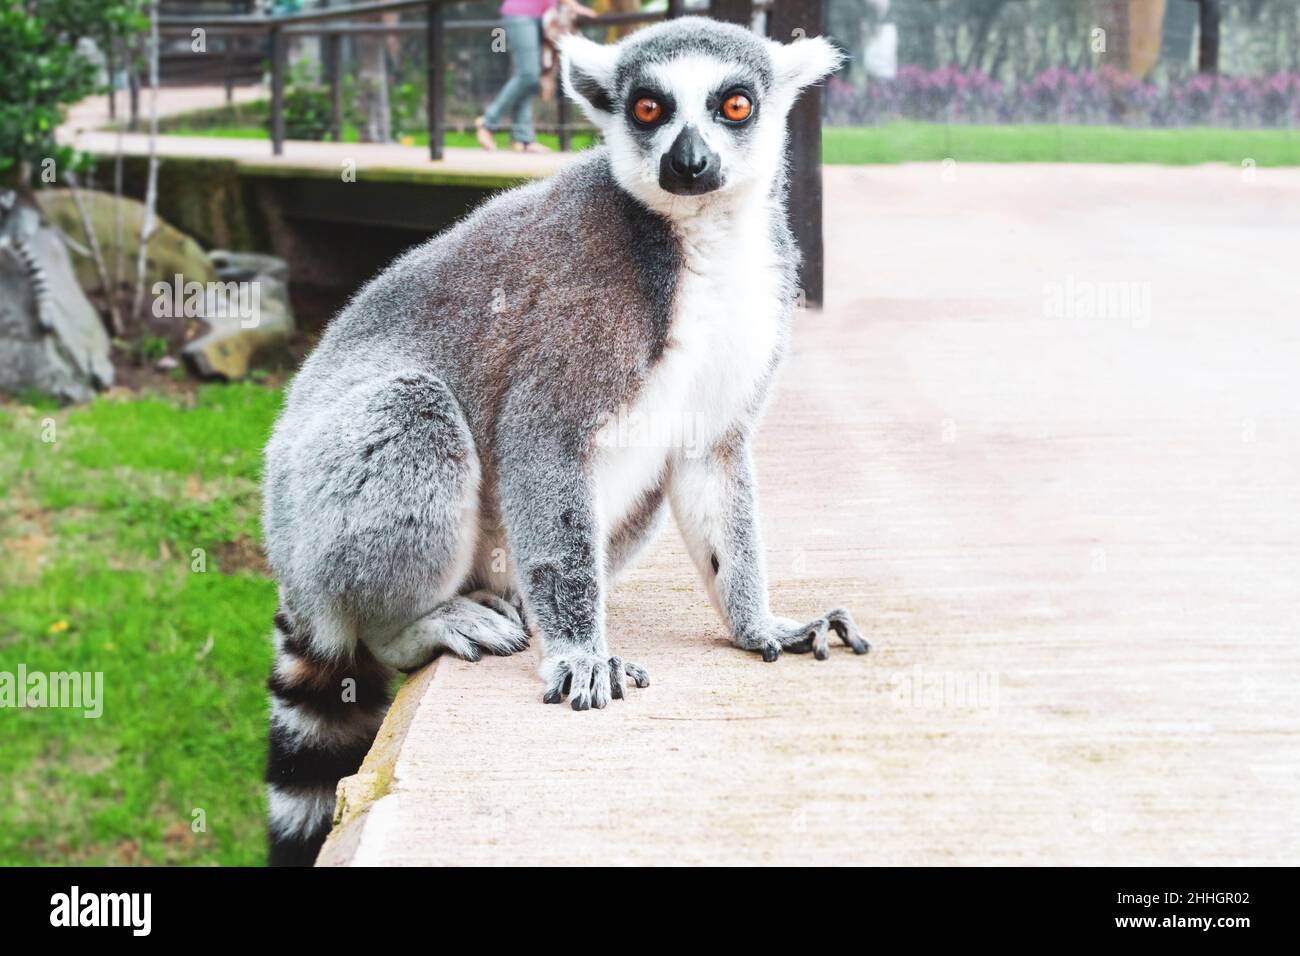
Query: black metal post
{"points": [[435, 34], [675, 9], [734, 11], [278, 57], [805, 148], [335, 46], [1208, 55]]}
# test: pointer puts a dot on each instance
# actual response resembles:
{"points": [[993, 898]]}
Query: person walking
{"points": [[523, 26]]}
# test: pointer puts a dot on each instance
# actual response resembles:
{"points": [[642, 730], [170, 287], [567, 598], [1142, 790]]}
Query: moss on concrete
{"points": [[392, 174], [205, 198]]}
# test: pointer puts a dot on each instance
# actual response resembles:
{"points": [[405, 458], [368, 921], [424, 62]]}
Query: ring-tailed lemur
{"points": [[450, 472], [18, 226]]}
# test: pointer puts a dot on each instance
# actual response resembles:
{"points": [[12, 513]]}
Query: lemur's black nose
{"points": [[689, 157], [689, 167]]}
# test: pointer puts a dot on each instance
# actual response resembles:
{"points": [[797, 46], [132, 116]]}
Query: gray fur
{"points": [[673, 38], [456, 408], [534, 331]]}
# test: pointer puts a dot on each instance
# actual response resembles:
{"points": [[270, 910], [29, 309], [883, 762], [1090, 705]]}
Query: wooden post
{"points": [[805, 147], [335, 42], [734, 11], [434, 35], [278, 56]]}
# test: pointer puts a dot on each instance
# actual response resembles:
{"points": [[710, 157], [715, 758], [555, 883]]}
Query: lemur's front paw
{"points": [[588, 680], [781, 633]]}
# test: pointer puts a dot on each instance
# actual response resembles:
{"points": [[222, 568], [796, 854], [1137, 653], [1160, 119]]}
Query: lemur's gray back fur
{"points": [[519, 303]]}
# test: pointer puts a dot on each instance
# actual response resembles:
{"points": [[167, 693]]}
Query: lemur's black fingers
{"points": [[559, 684], [580, 692], [590, 682], [637, 673], [601, 689], [771, 651], [617, 677], [841, 623], [812, 637]]}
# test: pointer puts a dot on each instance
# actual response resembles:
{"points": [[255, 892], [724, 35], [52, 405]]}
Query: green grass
{"points": [[933, 142], [906, 141], [98, 530], [352, 135]]}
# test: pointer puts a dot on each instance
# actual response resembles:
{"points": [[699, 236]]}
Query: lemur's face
{"points": [[693, 108]]}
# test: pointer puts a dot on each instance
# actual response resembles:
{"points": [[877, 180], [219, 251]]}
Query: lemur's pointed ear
{"points": [[805, 62], [587, 70]]}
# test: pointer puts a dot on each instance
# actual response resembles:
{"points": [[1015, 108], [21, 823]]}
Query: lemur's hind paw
{"points": [[463, 627], [510, 611], [783, 634], [589, 680]]}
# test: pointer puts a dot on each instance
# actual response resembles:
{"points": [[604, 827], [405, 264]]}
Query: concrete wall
{"points": [[335, 234]]}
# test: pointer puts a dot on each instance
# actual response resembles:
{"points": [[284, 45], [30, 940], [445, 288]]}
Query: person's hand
{"points": [[580, 9]]}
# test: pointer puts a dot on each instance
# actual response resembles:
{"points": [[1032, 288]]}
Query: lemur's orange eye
{"points": [[647, 110], [737, 107]]}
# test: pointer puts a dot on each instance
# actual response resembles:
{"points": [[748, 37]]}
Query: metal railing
{"points": [[785, 18], [435, 27]]}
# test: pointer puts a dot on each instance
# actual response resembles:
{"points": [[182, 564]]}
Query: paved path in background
{"points": [[1090, 520], [92, 112], [85, 122]]}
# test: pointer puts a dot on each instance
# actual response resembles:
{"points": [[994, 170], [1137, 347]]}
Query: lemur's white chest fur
{"points": [[725, 327]]}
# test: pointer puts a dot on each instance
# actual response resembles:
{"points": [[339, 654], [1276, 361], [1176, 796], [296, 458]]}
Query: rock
{"points": [[53, 343], [171, 252], [235, 336], [238, 266], [166, 364]]}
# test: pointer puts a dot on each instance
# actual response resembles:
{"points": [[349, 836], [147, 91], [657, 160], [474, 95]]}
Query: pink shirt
{"points": [[526, 8]]}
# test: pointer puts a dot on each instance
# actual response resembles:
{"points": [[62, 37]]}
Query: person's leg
{"points": [[529, 69], [522, 38]]}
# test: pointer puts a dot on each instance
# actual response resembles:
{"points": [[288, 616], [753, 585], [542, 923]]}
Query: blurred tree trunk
{"points": [[985, 13], [372, 74], [1146, 28], [1208, 55], [148, 223], [1113, 17]]}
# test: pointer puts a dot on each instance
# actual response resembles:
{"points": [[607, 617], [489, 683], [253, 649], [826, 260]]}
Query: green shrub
{"points": [[41, 72]]}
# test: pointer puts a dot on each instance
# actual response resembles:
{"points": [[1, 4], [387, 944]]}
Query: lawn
{"points": [[129, 546], [908, 141], [350, 135], [933, 142]]}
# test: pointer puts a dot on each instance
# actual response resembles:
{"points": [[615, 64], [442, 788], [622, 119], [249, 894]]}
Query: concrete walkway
{"points": [[93, 111], [84, 130], [1071, 530]]}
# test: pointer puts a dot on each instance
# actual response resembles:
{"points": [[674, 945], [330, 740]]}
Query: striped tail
{"points": [[39, 280], [325, 712]]}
